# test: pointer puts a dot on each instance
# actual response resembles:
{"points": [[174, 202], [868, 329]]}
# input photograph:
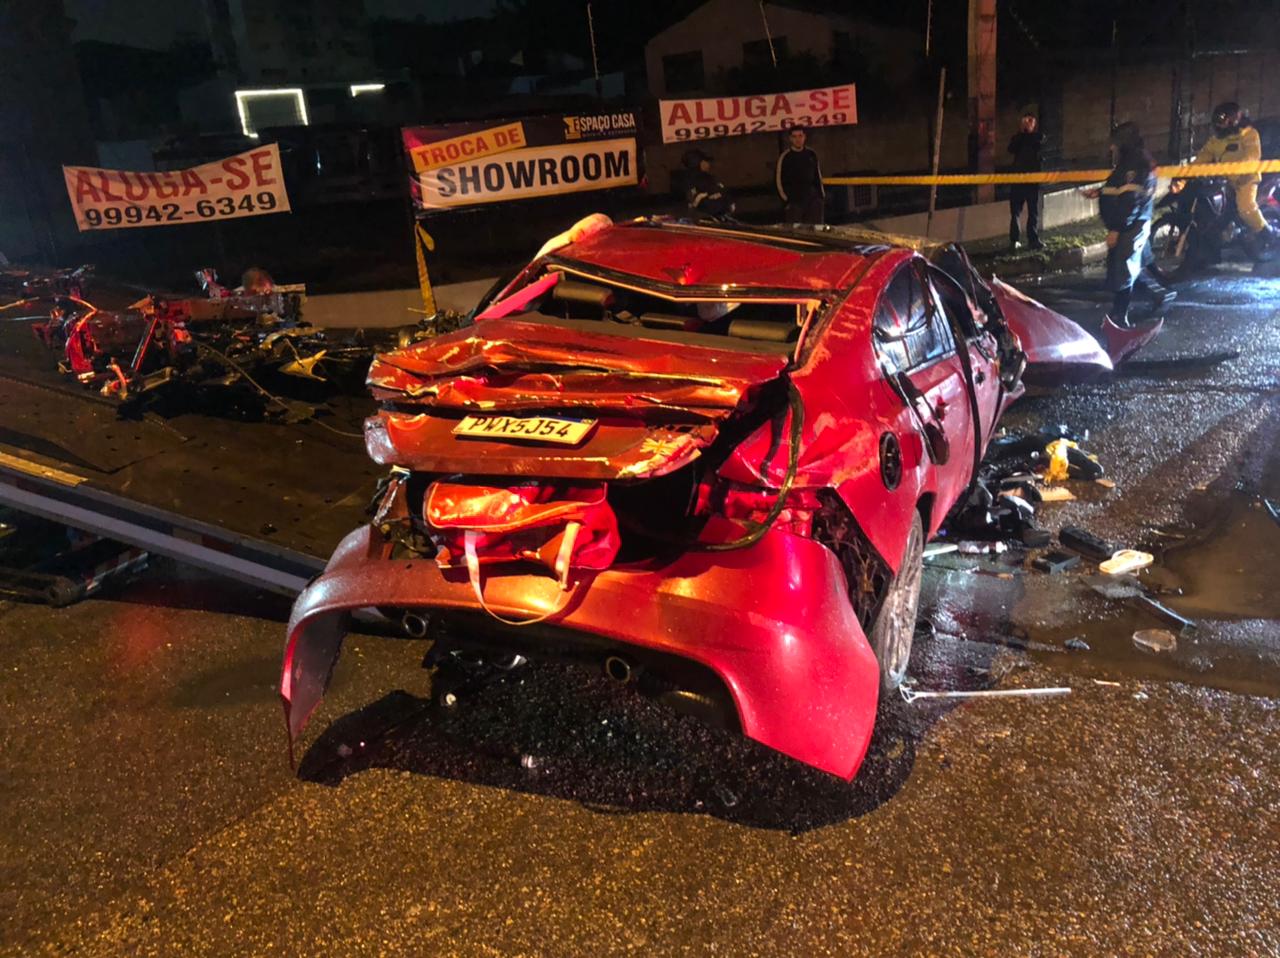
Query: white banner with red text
{"points": [[685, 120], [247, 184]]}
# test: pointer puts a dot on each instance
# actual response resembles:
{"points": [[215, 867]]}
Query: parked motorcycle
{"points": [[1197, 223]]}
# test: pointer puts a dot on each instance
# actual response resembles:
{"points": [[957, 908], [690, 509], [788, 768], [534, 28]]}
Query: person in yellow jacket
{"points": [[1235, 140]]}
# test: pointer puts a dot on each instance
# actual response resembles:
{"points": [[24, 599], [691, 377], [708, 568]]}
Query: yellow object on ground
{"points": [[1059, 468]]}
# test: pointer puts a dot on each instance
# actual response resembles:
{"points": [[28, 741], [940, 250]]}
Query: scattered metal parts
{"points": [[910, 694]]}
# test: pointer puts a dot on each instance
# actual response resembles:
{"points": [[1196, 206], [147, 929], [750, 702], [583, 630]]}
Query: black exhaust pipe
{"points": [[618, 669], [414, 625]]}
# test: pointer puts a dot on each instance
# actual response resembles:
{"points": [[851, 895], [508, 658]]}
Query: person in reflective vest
{"points": [[1126, 201], [705, 194], [1235, 140]]}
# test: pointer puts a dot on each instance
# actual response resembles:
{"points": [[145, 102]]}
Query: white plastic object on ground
{"points": [[910, 695], [1126, 561], [1155, 640]]}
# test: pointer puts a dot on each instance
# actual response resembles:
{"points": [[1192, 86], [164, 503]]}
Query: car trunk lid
{"points": [[654, 404]]}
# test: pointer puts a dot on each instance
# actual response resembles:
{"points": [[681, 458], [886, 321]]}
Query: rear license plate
{"points": [[565, 432]]}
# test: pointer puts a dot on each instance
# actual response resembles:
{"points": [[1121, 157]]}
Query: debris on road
{"points": [[910, 694], [938, 549], [1155, 640], [1056, 494], [1273, 510], [1165, 613], [1125, 561], [1128, 587], [1085, 542], [1056, 561]]}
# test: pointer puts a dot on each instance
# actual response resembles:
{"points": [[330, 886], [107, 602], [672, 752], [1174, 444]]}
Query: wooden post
{"points": [[937, 149], [982, 90]]}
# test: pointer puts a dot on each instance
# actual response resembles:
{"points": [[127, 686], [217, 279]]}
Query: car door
{"points": [[962, 314], [917, 353]]}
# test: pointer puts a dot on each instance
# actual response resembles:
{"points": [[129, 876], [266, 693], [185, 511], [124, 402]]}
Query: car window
{"points": [[910, 330], [954, 302]]}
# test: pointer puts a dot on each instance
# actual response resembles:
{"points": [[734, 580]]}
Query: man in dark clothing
{"points": [[1126, 201], [799, 181], [705, 194], [1025, 147]]}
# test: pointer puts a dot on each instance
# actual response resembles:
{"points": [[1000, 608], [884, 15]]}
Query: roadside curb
{"points": [[1063, 260]]}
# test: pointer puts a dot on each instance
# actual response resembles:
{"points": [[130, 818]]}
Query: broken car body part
{"points": [[675, 457]]}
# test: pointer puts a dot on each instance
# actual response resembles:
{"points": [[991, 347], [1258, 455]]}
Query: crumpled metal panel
{"points": [[1058, 349], [509, 364], [698, 259], [657, 405]]}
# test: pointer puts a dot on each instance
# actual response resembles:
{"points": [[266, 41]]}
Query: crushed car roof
{"points": [[671, 253]]}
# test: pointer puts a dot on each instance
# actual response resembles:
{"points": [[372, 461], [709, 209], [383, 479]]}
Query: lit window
{"points": [[259, 109]]}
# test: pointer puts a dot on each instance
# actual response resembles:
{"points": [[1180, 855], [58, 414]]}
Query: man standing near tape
{"points": [[1025, 147], [799, 181], [1126, 201], [1235, 140]]}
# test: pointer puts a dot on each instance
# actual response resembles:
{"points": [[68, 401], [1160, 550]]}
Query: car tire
{"points": [[895, 626]]}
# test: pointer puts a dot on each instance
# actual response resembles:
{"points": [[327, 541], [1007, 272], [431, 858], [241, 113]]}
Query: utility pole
{"points": [[982, 91]]}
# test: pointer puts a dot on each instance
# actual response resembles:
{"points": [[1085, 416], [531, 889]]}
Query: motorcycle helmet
{"points": [[1226, 118]]}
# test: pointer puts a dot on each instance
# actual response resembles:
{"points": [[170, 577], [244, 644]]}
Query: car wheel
{"points": [[896, 624]]}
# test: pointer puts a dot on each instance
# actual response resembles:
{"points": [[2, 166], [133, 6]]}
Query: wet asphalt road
{"points": [[148, 808]]}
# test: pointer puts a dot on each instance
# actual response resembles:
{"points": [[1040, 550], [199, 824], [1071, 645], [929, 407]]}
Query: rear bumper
{"points": [[772, 621]]}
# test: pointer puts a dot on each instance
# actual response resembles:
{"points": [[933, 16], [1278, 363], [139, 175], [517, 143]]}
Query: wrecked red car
{"points": [[706, 458]]}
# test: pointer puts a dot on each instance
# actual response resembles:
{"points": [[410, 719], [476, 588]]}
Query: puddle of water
{"points": [[1229, 570]]}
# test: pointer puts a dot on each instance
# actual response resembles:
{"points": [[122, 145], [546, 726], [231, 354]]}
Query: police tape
{"points": [[1182, 172]]}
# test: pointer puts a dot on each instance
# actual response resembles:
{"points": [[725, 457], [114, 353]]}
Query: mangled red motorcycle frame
{"points": [[801, 472]]}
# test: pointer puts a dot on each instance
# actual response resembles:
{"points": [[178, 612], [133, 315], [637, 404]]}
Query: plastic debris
{"points": [[1126, 561], [910, 694], [1085, 542], [1055, 561], [982, 548], [1076, 644], [1034, 538], [1059, 468], [939, 548], [1107, 682], [1166, 613], [1155, 640], [1106, 483]]}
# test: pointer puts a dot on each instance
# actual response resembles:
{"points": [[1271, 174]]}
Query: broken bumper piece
{"points": [[772, 622]]}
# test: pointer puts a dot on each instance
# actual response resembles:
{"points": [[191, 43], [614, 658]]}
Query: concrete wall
{"points": [[987, 220], [1145, 92]]}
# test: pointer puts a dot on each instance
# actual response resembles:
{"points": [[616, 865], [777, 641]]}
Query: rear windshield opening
{"points": [[745, 325]]}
